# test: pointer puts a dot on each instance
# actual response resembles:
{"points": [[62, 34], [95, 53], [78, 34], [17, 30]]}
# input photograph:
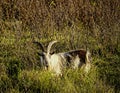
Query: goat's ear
{"points": [[40, 54]]}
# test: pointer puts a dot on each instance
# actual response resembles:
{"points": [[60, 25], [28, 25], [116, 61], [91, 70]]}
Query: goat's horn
{"points": [[40, 45], [49, 46]]}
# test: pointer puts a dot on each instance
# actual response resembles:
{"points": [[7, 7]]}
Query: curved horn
{"points": [[40, 45], [49, 46]]}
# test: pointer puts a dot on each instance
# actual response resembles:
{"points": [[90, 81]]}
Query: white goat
{"points": [[57, 61]]}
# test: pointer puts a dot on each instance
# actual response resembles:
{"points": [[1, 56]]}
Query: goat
{"points": [[44, 55], [50, 60], [55, 62]]}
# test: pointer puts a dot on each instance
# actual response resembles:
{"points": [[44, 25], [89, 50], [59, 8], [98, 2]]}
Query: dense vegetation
{"points": [[76, 24]]}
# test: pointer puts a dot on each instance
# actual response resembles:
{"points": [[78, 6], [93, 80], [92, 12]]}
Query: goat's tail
{"points": [[88, 56], [49, 46]]}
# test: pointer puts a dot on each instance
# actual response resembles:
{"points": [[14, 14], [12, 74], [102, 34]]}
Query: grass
{"points": [[21, 71], [75, 24], [42, 81]]}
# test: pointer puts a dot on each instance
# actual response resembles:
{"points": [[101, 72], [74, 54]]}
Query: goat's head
{"points": [[45, 55]]}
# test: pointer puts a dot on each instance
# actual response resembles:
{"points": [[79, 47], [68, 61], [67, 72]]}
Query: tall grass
{"points": [[43, 81], [75, 24]]}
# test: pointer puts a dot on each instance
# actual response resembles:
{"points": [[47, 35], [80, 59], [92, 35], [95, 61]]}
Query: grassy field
{"points": [[75, 24]]}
